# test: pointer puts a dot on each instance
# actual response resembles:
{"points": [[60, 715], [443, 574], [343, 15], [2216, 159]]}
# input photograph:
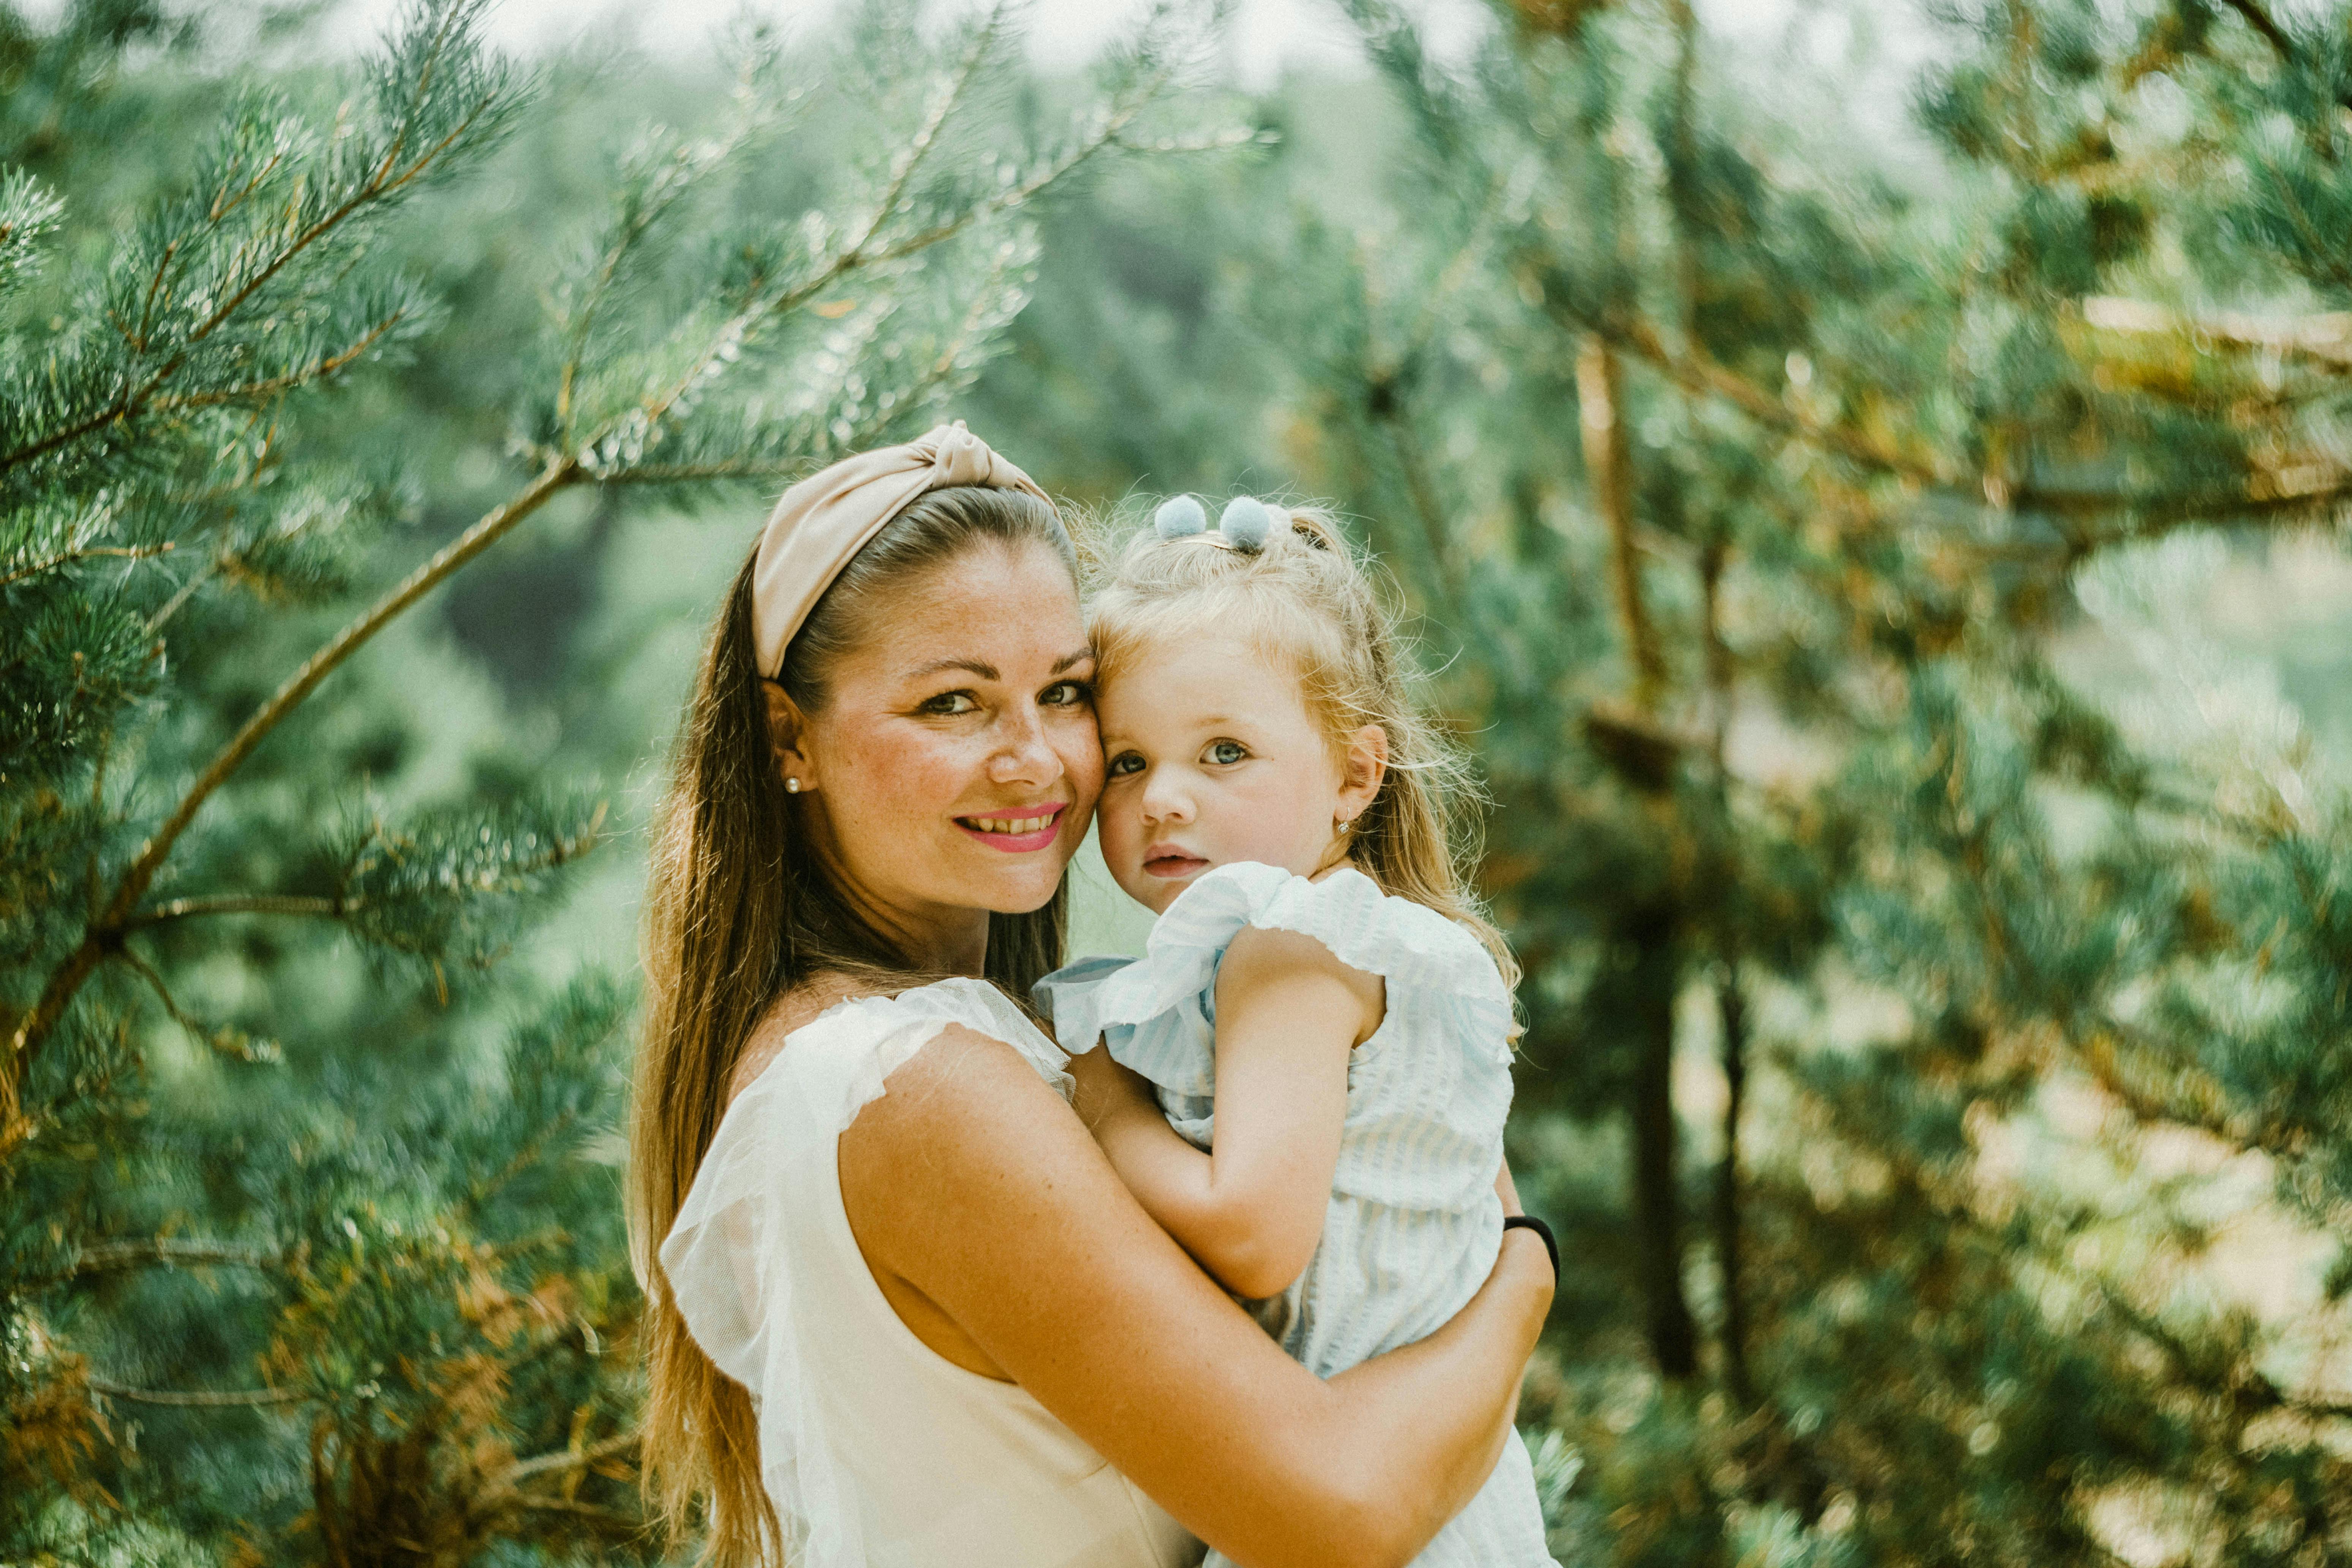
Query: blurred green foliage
{"points": [[1888, 564], [310, 1239]]}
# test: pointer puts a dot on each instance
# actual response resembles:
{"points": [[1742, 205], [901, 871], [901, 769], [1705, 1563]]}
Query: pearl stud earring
{"points": [[791, 786]]}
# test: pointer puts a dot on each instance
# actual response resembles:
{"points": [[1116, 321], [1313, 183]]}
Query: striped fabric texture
{"points": [[1413, 1224]]}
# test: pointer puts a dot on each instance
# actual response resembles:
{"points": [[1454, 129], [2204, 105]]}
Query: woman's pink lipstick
{"points": [[1017, 843]]}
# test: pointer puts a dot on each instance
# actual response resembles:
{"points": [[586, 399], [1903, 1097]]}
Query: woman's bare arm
{"points": [[971, 1183]]}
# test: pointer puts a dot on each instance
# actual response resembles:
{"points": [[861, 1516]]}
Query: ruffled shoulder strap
{"points": [[1067, 997], [729, 1260], [1414, 948]]}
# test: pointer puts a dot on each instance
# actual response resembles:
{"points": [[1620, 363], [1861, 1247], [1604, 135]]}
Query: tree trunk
{"points": [[1644, 981], [1732, 1007]]}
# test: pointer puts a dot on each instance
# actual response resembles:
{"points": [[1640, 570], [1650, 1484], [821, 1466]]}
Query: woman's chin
{"points": [[1024, 887]]}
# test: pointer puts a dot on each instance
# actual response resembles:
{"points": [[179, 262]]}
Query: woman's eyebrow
{"points": [[981, 668], [988, 671]]}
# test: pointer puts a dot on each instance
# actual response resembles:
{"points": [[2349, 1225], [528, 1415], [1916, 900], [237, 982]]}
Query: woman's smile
{"points": [[1018, 831]]}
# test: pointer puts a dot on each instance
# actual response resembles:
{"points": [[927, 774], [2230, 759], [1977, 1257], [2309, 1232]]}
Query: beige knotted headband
{"points": [[827, 518]]}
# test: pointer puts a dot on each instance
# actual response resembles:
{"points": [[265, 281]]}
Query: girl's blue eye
{"points": [[948, 704], [1124, 763], [1227, 751]]}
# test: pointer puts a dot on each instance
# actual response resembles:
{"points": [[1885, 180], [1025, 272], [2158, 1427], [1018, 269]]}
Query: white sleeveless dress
{"points": [[1413, 1224], [877, 1451]]}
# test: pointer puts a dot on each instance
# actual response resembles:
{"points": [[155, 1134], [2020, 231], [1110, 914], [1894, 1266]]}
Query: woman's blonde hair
{"points": [[1308, 599], [739, 912]]}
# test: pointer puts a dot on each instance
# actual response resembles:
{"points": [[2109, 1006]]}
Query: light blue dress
{"points": [[1414, 1224]]}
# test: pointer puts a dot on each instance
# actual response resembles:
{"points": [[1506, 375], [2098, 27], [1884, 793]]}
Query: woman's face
{"points": [[955, 764]]}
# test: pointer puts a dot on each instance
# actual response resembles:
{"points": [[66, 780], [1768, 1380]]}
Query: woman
{"points": [[910, 1327]]}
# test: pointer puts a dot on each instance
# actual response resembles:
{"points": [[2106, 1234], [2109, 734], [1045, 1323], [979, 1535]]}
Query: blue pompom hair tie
{"points": [[1244, 524], [1180, 516]]}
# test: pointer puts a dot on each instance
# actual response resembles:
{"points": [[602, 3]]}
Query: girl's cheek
{"points": [[1117, 821]]}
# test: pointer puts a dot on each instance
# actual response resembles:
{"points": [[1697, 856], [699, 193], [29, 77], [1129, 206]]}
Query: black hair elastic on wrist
{"points": [[1529, 1222]]}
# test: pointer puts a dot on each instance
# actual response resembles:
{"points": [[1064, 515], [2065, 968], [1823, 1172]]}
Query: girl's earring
{"points": [[1345, 824], [791, 786]]}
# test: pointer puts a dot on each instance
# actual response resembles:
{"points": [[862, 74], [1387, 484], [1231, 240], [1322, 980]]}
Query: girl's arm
{"points": [[1287, 1015], [971, 1183]]}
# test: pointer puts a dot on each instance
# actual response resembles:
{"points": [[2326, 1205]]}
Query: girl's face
{"points": [[1211, 756], [953, 767]]}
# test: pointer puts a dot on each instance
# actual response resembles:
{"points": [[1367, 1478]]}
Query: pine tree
{"points": [[304, 1259], [1759, 472], [1849, 453]]}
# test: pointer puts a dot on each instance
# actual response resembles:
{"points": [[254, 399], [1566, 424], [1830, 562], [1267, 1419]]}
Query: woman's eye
{"points": [[1068, 694], [1227, 751], [948, 704], [1124, 763]]}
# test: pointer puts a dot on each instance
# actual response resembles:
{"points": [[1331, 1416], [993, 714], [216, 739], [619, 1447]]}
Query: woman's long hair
{"points": [[739, 912]]}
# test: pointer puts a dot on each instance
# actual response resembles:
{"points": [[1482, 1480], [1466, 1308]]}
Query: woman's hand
{"points": [[1106, 1093], [970, 1184]]}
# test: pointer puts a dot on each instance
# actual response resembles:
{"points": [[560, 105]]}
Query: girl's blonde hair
{"points": [[1309, 599]]}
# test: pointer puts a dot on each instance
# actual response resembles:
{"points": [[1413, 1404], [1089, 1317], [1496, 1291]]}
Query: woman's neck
{"points": [[957, 947], [932, 939], [935, 939]]}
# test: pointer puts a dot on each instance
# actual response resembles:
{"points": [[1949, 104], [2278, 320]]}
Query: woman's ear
{"points": [[787, 733], [1363, 770]]}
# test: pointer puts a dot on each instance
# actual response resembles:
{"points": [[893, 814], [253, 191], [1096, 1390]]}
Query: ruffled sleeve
{"points": [[728, 1261], [1067, 997], [1427, 959]]}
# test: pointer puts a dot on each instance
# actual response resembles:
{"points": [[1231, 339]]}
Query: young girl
{"points": [[1324, 1016]]}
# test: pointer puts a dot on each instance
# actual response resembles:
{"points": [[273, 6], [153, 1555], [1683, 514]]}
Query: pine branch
{"points": [[2206, 1108], [567, 1460], [29, 213], [1695, 372], [2326, 337], [639, 218], [185, 592], [319, 369], [727, 343], [243, 904], [704, 473], [199, 1399], [109, 1256], [1106, 135], [144, 396], [66, 981], [530, 1502], [2261, 21], [2249, 1390], [232, 1043], [911, 156], [68, 557]]}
